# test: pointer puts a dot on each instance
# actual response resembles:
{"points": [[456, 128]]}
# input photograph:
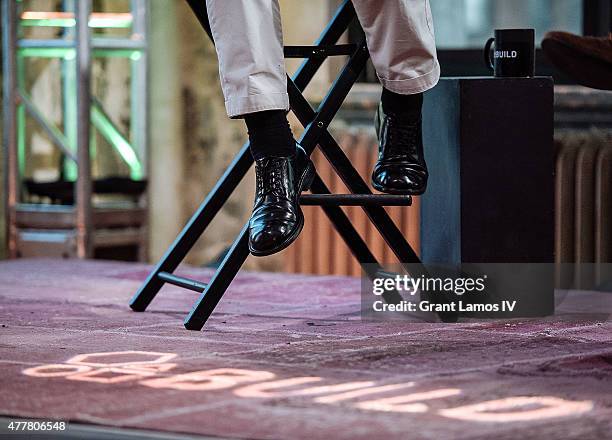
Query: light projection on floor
{"points": [[154, 370]]}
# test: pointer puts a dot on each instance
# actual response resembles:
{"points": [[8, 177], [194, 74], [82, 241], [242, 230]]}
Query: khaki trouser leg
{"points": [[401, 42], [249, 43]]}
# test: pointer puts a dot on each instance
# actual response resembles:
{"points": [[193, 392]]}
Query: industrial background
{"points": [[159, 136]]}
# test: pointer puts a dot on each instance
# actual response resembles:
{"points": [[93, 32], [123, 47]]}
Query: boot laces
{"points": [[270, 178]]}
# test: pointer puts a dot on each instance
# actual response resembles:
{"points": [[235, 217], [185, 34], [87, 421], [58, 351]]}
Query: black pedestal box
{"points": [[490, 197]]}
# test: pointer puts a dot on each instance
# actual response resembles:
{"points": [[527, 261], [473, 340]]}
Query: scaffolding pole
{"points": [[83, 186], [10, 104]]}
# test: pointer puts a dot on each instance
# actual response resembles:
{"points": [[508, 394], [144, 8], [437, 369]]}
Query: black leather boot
{"points": [[401, 167], [277, 219]]}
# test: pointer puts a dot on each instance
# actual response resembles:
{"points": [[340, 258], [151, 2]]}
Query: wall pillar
{"points": [[166, 216]]}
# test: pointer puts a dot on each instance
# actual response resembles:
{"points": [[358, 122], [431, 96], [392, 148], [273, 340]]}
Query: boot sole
{"points": [[398, 192], [304, 185]]}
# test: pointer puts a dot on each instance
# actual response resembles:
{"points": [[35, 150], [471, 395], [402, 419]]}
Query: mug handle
{"points": [[487, 54]]}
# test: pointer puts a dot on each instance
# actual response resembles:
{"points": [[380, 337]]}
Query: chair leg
{"points": [[360, 250], [219, 283], [377, 215], [193, 229]]}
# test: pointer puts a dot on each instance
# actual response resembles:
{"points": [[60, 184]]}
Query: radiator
{"points": [[583, 210], [583, 206]]}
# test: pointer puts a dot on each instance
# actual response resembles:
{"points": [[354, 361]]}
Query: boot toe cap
{"points": [[267, 238], [399, 180]]}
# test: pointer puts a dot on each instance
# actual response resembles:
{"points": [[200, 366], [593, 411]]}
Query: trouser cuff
{"points": [[238, 107], [411, 86]]}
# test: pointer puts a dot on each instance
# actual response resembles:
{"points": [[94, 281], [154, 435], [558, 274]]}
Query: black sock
{"points": [[401, 104], [270, 134]]}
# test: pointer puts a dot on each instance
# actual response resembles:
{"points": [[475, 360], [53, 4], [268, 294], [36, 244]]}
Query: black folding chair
{"points": [[315, 133]]}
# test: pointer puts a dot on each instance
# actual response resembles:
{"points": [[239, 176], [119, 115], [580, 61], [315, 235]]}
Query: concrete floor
{"points": [[288, 357]]}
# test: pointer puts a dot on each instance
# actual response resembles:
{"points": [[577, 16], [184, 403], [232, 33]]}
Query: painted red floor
{"points": [[288, 357]]}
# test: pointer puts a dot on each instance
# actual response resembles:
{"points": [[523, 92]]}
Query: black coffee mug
{"points": [[513, 53]]}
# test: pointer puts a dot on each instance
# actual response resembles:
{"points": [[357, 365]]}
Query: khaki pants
{"points": [[249, 44]]}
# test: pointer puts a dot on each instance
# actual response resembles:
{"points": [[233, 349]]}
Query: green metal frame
{"points": [[131, 149], [105, 23]]}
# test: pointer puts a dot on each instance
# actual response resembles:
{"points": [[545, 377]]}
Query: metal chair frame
{"points": [[316, 132]]}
